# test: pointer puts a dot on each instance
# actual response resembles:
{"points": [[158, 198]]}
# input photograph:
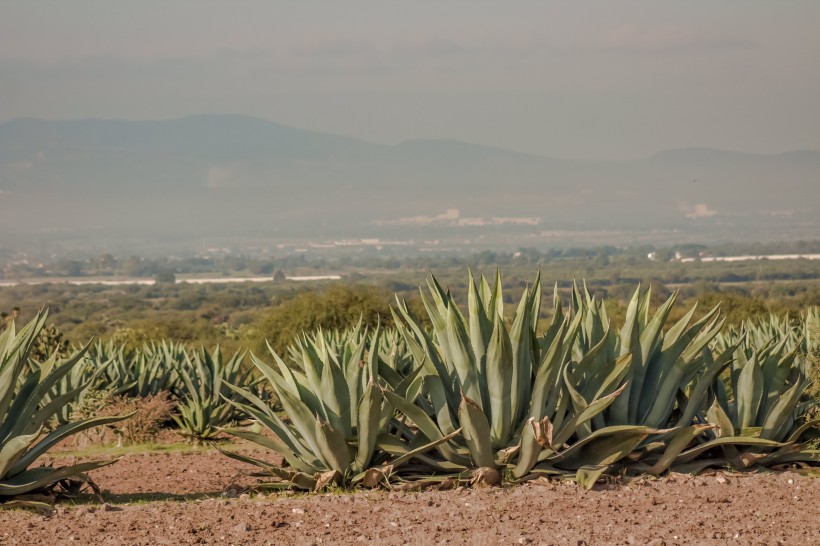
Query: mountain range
{"points": [[226, 174]]}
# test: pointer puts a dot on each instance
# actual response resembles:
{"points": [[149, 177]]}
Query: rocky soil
{"points": [[201, 497]]}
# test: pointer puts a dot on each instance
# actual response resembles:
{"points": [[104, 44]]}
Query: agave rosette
{"points": [[26, 406]]}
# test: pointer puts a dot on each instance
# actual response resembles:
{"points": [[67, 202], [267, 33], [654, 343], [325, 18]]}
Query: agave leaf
{"points": [[370, 409], [24, 394], [432, 356], [535, 301], [335, 395], [549, 369], [481, 328], [476, 433], [717, 416], [530, 446], [780, 417], [521, 339], [42, 476], [499, 380], [425, 425], [699, 392], [13, 450], [410, 385], [303, 421], [664, 400], [332, 446], [681, 439], [668, 371], [630, 344], [587, 365], [496, 305], [444, 413], [749, 393], [485, 294], [650, 339], [417, 452], [674, 333], [602, 447], [58, 435], [799, 431], [692, 454], [462, 354], [263, 413], [584, 415], [586, 476], [373, 360], [276, 445], [437, 313], [297, 479]]}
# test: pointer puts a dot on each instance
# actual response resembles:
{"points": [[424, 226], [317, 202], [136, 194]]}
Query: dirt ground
{"points": [[197, 498]]}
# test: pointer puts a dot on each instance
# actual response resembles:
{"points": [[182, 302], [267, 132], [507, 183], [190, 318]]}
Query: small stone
{"points": [[298, 511], [232, 491], [106, 507], [243, 527], [486, 476], [720, 479]]}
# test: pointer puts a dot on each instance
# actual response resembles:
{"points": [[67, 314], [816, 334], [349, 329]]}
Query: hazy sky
{"points": [[575, 79]]}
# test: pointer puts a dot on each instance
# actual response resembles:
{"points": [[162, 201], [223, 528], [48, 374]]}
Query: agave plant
{"points": [[670, 373], [475, 395], [337, 410], [509, 390], [205, 400], [762, 397], [147, 370], [84, 378], [24, 414]]}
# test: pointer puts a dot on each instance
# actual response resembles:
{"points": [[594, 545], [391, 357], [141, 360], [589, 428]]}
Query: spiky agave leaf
{"points": [[336, 404], [26, 405], [508, 389], [762, 397], [204, 404]]}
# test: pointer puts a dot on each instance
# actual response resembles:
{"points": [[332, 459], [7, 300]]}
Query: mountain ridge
{"points": [[266, 176], [211, 118]]}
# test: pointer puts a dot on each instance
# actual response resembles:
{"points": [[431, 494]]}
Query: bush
{"points": [[337, 307]]}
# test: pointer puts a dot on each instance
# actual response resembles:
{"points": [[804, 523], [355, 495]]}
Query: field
{"points": [[429, 273], [497, 410], [184, 496]]}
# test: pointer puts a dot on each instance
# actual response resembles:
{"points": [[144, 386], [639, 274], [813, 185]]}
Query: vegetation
{"points": [[205, 398], [242, 316], [25, 412], [450, 385], [336, 406], [485, 397], [337, 307]]}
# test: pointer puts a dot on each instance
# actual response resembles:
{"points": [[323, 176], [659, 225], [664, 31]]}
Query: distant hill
{"points": [[240, 175]]}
